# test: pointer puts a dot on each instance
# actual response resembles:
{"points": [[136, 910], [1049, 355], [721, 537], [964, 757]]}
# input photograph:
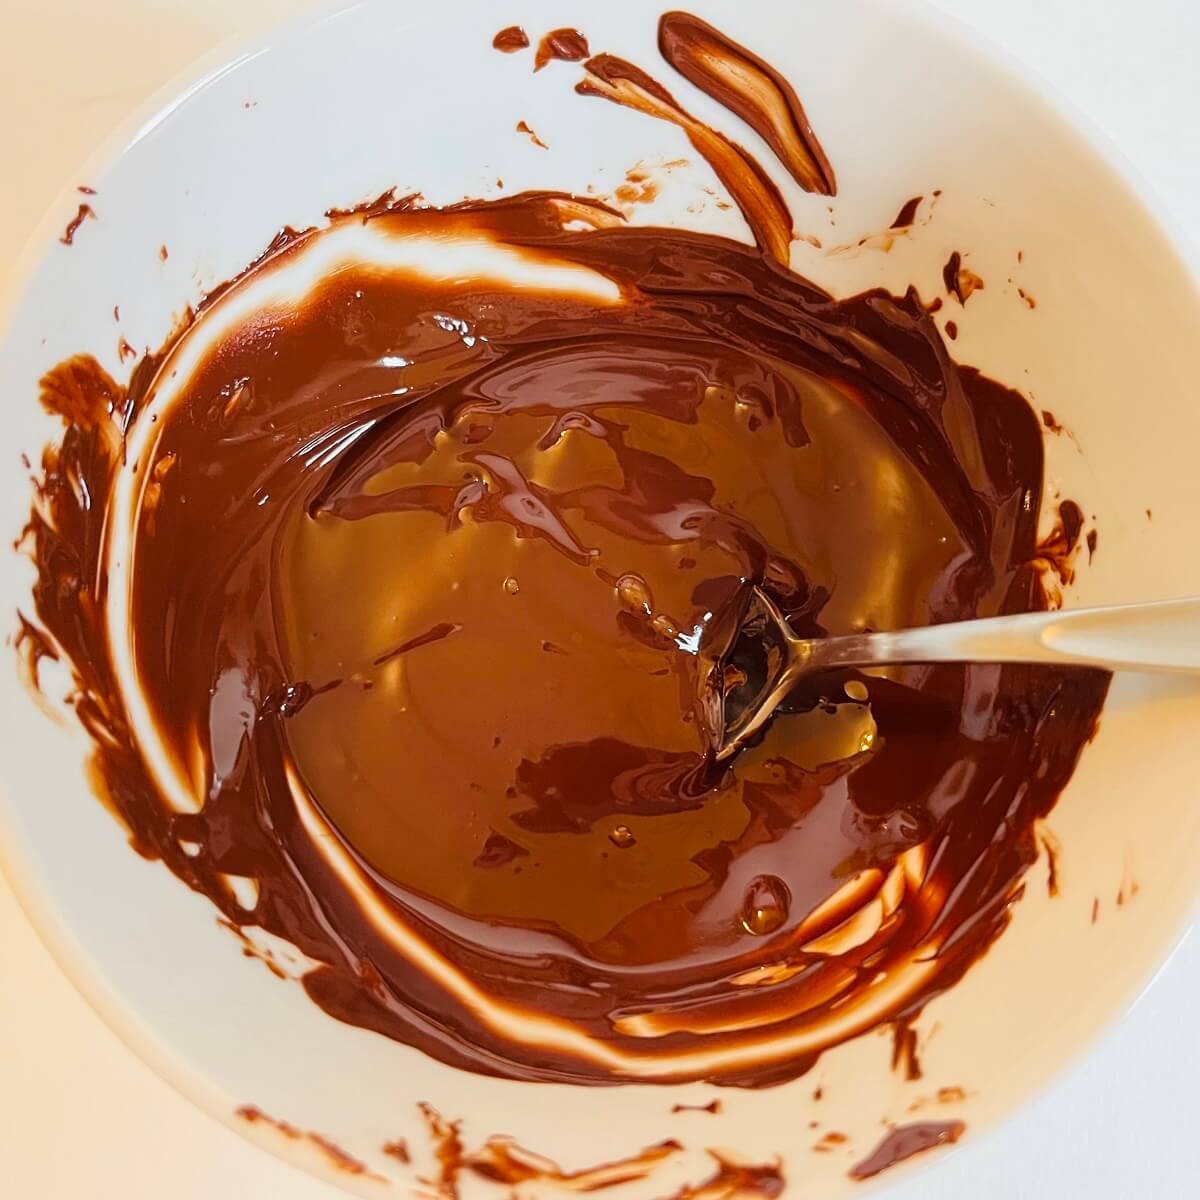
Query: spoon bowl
{"points": [[766, 661]]}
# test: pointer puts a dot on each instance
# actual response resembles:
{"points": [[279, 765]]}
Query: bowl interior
{"points": [[339, 106]]}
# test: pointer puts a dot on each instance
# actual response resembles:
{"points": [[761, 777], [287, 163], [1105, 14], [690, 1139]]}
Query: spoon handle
{"points": [[1162, 636]]}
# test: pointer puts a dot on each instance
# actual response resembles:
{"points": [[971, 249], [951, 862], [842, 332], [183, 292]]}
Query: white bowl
{"points": [[337, 107]]}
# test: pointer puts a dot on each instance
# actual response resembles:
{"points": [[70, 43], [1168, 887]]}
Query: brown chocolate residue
{"points": [[908, 214], [32, 647], [756, 195], [447, 1150], [250, 950], [1129, 888], [510, 39], [952, 330], [163, 254], [830, 1142], [951, 1095], [735, 1181], [1093, 540], [334, 1153], [68, 235], [254, 1115], [1057, 551], [753, 89], [523, 127], [341, 1160], [567, 45], [960, 280], [502, 1160], [1026, 298], [905, 1141], [1051, 422], [1053, 849], [1095, 909], [529, 468], [87, 191], [398, 1150], [713, 1106], [904, 1051]]}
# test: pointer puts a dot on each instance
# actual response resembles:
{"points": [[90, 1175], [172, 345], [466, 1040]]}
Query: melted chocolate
{"points": [[961, 282], [425, 569], [756, 195], [713, 1107], [753, 89], [903, 1142], [733, 1180], [908, 214], [502, 1160], [523, 127], [511, 39], [904, 1052], [338, 1157], [68, 235], [567, 45]]}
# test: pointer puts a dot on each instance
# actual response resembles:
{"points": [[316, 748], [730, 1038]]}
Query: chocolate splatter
{"points": [[905, 1141], [333, 1152], [511, 39], [908, 214], [713, 1106], [68, 235], [523, 127], [567, 45], [960, 280]]}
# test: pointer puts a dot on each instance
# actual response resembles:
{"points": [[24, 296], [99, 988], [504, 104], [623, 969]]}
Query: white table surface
{"points": [[82, 1119]]}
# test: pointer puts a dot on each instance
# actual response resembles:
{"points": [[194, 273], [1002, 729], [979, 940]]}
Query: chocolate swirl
{"points": [[387, 587]]}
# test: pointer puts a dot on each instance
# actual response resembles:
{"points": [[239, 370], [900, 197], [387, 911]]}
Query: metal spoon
{"points": [[1163, 636]]}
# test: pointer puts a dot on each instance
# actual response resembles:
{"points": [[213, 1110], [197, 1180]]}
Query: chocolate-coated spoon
{"points": [[768, 659]]}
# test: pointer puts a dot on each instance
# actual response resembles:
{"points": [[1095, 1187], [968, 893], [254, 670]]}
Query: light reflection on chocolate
{"points": [[426, 554]]}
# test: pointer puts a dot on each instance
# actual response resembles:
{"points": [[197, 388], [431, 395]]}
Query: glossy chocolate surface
{"points": [[416, 570]]}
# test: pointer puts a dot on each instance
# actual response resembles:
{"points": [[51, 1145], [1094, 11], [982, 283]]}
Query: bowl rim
{"points": [[79, 966]]}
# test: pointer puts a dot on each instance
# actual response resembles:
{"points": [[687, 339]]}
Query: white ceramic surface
{"points": [[1014, 178]]}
